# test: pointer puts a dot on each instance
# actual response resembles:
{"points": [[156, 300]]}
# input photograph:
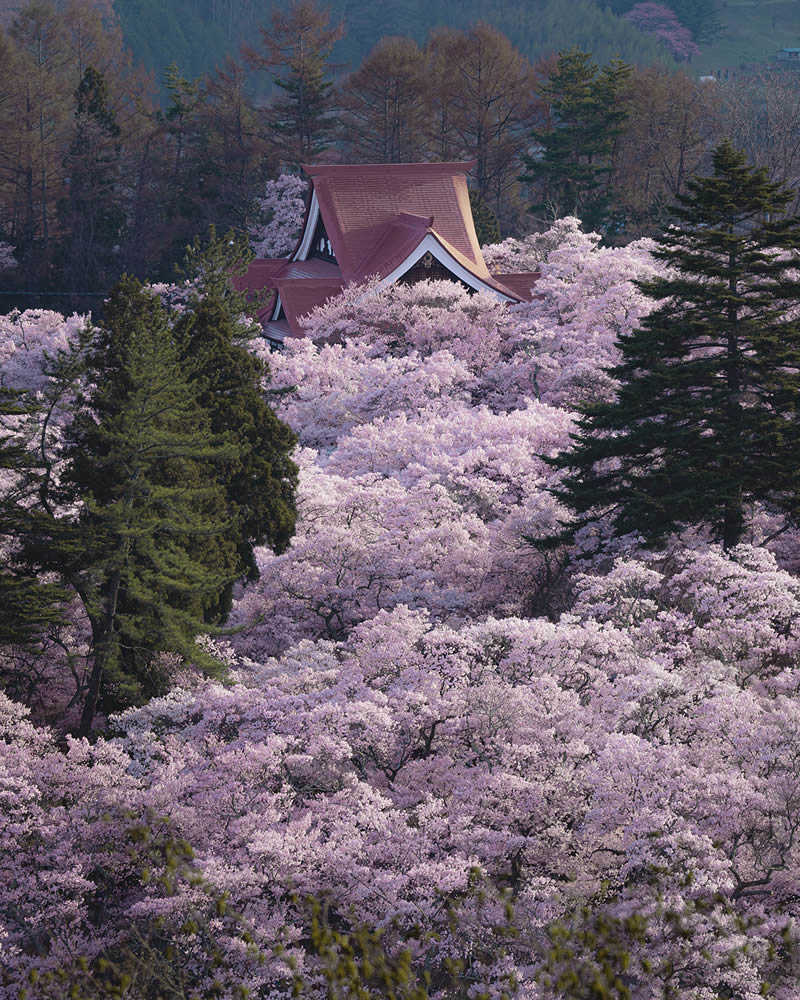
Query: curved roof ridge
{"points": [[369, 210], [481, 273], [448, 166]]}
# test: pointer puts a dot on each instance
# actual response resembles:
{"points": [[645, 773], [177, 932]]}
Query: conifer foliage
{"points": [[705, 420], [258, 476], [143, 458], [574, 169], [27, 606]]}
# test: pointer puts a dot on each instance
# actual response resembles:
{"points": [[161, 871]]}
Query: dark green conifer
{"points": [[706, 416], [143, 463], [27, 606], [573, 172], [258, 476]]}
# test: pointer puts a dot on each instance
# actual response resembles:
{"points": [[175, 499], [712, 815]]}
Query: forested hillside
{"points": [[196, 34]]}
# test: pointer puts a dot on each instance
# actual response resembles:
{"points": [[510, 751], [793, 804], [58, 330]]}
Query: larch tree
{"points": [[385, 105], [40, 120], [90, 212], [296, 49], [760, 113], [442, 139], [667, 137], [493, 108], [705, 420], [237, 150]]}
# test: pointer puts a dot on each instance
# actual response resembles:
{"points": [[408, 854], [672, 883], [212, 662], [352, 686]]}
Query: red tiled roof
{"points": [[362, 205], [300, 295], [314, 267], [404, 235], [398, 239], [521, 283], [277, 329], [376, 216], [259, 274]]}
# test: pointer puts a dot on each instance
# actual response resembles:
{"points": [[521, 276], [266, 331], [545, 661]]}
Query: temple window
{"points": [[320, 244]]}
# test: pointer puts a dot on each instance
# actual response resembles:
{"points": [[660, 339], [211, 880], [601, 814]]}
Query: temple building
{"points": [[401, 222]]}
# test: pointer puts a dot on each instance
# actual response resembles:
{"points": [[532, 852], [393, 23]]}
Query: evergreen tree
{"points": [[185, 170], [700, 17], [572, 173], [143, 463], [296, 51], [258, 476], [27, 606], [706, 416], [91, 213]]}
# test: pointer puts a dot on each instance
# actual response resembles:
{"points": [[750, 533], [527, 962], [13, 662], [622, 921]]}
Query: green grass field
{"points": [[753, 31]]}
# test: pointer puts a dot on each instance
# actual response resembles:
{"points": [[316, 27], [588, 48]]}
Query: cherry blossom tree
{"points": [[27, 339], [662, 22], [638, 755], [425, 719], [280, 214]]}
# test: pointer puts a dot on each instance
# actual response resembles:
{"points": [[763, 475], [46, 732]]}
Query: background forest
{"points": [[101, 174]]}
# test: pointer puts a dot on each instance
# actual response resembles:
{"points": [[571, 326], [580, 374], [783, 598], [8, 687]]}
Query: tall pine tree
{"points": [[706, 417], [296, 49], [258, 475]]}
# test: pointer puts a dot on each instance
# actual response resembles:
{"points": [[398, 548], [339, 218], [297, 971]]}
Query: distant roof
{"points": [[380, 219], [371, 210]]}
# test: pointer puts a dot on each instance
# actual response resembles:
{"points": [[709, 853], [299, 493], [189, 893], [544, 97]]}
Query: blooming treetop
{"points": [[648, 734], [400, 716], [280, 213], [662, 22]]}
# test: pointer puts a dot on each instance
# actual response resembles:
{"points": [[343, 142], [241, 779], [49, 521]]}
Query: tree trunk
{"points": [[102, 639]]}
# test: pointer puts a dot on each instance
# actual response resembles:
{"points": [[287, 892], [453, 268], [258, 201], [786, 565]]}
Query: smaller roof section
{"points": [[300, 296], [260, 274], [521, 284]]}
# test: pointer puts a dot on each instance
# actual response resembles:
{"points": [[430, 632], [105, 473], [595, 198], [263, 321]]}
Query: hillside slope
{"points": [[196, 34]]}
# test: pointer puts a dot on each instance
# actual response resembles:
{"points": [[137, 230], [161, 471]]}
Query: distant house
{"points": [[788, 56], [401, 222]]}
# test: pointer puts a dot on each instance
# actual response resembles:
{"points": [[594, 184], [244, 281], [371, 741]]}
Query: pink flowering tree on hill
{"points": [[638, 755], [279, 217], [31, 343], [427, 413], [661, 21]]}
